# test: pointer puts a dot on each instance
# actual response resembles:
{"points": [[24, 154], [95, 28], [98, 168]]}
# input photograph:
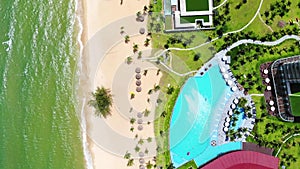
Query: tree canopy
{"points": [[102, 102]]}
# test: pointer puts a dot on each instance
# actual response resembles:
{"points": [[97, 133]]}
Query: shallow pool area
{"points": [[195, 119]]}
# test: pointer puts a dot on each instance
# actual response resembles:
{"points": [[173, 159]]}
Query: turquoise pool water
{"points": [[196, 117]]}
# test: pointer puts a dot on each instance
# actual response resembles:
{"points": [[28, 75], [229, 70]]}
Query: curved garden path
{"points": [[220, 4], [291, 136], [222, 53]]}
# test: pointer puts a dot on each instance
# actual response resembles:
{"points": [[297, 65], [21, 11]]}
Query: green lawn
{"points": [[191, 19], [168, 22], [249, 58], [196, 5], [294, 12], [295, 101], [188, 165]]}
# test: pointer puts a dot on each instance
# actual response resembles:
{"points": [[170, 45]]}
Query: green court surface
{"points": [[191, 19], [196, 5], [295, 103]]}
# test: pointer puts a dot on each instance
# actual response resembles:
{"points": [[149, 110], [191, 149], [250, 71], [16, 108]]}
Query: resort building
{"points": [[188, 14], [244, 160], [282, 78]]}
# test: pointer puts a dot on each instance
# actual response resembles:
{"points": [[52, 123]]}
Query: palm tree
{"points": [[122, 30], [141, 142], [130, 162], [146, 112], [127, 39], [170, 90], [156, 88], [170, 166], [149, 139], [102, 102], [137, 149], [132, 120], [135, 48], [127, 155], [140, 54], [146, 43], [149, 165], [128, 61]]}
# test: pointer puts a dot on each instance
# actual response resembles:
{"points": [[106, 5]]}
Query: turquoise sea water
{"points": [[195, 119], [39, 127]]}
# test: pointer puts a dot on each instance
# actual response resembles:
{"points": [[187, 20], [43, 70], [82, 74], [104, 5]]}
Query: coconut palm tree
{"points": [[137, 149], [127, 39], [102, 102], [149, 165], [146, 112], [127, 155], [130, 162], [146, 43], [140, 54], [128, 61], [141, 142], [135, 48], [132, 120]]}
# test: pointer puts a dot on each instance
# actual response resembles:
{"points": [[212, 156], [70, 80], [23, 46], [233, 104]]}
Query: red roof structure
{"points": [[244, 160]]}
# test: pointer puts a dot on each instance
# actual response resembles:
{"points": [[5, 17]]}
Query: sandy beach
{"points": [[103, 70]]}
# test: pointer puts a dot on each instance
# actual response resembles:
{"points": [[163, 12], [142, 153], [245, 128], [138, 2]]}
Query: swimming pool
{"points": [[195, 118]]}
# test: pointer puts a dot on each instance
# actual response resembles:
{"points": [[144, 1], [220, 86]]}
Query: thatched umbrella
{"points": [[271, 102], [141, 154], [140, 127], [269, 87], [138, 89], [139, 115], [140, 121], [138, 76], [138, 82], [266, 71], [137, 70], [142, 31], [141, 160]]}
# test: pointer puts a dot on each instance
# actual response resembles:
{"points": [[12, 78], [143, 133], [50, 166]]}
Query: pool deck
{"points": [[218, 134]]}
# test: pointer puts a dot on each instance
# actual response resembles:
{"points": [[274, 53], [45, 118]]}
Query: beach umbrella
{"points": [[229, 82], [271, 102], [222, 69], [266, 71], [233, 106], [142, 30], [141, 154], [141, 160], [267, 80], [236, 101], [226, 124], [139, 115], [139, 121], [269, 87], [272, 108], [138, 76], [224, 58], [142, 167], [137, 70], [225, 76], [138, 89], [234, 88], [227, 119], [225, 129], [138, 82], [140, 127], [230, 113]]}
